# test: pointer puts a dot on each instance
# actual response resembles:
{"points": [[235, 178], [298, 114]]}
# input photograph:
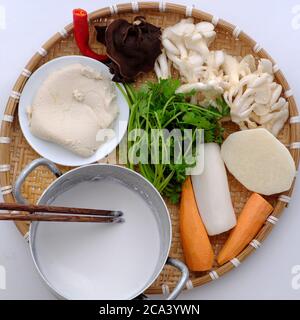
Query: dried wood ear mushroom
{"points": [[132, 47]]}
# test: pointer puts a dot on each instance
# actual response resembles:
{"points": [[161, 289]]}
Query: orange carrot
{"points": [[251, 219], [198, 252]]}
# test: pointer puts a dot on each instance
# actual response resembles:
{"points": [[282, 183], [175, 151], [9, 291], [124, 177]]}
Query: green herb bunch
{"points": [[156, 105]]}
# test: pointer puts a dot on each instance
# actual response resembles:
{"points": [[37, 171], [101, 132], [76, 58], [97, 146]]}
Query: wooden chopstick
{"points": [[53, 209], [57, 218], [58, 214]]}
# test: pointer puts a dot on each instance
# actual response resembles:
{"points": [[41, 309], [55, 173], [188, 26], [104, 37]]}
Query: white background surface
{"points": [[267, 274]]}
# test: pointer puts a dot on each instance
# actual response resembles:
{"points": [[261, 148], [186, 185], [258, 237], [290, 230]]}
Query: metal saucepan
{"points": [[54, 245]]}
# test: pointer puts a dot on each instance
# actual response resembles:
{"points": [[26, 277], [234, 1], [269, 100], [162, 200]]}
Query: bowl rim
{"points": [[39, 145]]}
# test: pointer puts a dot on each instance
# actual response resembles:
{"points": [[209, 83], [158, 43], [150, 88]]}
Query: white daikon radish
{"points": [[212, 193], [259, 161]]}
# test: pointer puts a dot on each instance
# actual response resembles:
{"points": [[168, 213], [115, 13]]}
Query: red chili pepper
{"points": [[81, 34]]}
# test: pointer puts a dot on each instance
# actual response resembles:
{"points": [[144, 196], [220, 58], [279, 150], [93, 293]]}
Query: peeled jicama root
{"points": [[259, 161]]}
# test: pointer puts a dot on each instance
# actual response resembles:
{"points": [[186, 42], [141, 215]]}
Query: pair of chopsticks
{"points": [[57, 214]]}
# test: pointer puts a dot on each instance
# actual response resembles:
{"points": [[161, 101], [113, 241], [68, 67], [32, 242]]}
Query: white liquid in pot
{"points": [[100, 261]]}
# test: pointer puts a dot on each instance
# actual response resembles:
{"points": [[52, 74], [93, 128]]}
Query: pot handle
{"points": [[181, 283], [27, 170], [183, 279]]}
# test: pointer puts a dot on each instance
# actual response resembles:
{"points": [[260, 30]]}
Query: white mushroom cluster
{"points": [[255, 98], [250, 91], [186, 45]]}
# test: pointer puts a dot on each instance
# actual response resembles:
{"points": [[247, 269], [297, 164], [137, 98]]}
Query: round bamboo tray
{"points": [[15, 153]]}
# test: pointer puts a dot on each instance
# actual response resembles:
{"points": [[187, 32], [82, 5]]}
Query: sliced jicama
{"points": [[259, 161], [212, 193]]}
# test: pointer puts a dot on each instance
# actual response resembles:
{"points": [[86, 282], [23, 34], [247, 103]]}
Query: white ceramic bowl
{"points": [[53, 151]]}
